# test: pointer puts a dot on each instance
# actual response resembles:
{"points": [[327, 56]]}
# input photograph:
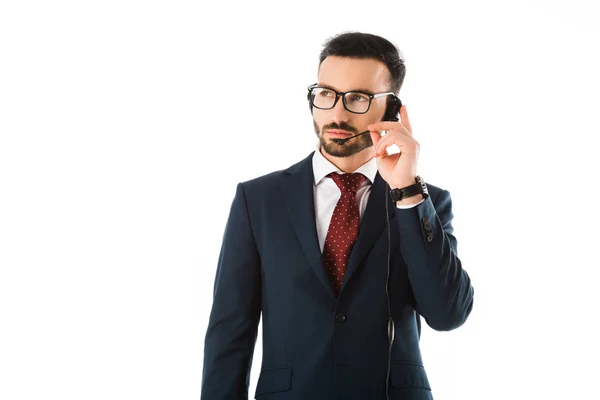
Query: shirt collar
{"points": [[322, 167]]}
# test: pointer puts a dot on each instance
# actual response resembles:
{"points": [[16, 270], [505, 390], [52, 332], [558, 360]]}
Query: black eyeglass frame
{"points": [[371, 96]]}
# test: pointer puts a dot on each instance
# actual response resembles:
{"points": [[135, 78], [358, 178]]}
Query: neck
{"points": [[349, 164]]}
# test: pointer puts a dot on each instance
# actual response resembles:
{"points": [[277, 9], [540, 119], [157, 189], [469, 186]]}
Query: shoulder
{"points": [[266, 183]]}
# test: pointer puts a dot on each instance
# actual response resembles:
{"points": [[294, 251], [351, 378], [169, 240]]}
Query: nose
{"points": [[339, 112]]}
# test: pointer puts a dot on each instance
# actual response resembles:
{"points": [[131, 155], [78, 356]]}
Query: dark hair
{"points": [[366, 45]]}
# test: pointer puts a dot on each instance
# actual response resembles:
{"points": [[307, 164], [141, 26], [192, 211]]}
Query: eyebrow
{"points": [[353, 90]]}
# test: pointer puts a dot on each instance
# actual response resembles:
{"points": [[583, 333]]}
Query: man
{"points": [[308, 247]]}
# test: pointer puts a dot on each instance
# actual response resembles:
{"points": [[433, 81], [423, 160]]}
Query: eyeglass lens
{"points": [[355, 101]]}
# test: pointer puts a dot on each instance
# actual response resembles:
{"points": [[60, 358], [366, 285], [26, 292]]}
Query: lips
{"points": [[337, 132]]}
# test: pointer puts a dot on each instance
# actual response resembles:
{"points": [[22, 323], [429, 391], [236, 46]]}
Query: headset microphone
{"points": [[344, 140]]}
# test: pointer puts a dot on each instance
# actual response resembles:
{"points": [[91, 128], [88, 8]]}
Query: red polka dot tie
{"points": [[343, 228]]}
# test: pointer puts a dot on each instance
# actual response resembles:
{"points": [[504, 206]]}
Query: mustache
{"points": [[342, 126]]}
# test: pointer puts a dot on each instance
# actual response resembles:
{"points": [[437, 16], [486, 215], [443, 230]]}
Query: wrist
{"points": [[402, 184], [411, 193]]}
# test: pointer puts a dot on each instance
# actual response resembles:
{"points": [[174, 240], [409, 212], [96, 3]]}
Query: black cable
{"points": [[391, 327]]}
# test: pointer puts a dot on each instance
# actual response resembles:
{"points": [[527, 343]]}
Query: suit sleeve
{"points": [[442, 288], [235, 314]]}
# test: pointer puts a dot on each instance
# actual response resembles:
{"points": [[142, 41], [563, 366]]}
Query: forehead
{"points": [[344, 73]]}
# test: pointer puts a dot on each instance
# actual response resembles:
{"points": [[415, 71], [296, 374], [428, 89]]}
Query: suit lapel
{"points": [[371, 225], [297, 191]]}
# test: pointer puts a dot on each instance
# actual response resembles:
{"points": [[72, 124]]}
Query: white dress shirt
{"points": [[327, 193]]}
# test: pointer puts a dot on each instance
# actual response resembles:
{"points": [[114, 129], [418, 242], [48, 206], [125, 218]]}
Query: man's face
{"points": [[344, 74]]}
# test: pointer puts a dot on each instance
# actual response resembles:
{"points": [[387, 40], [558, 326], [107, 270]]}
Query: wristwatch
{"points": [[418, 188]]}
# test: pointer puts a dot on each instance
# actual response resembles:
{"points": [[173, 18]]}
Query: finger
{"points": [[375, 137], [390, 159], [385, 125], [396, 138], [404, 119], [388, 126]]}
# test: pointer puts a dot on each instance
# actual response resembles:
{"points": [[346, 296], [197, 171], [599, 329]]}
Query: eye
{"points": [[325, 93], [358, 97]]}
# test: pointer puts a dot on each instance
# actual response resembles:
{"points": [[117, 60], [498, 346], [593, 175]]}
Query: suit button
{"points": [[339, 317]]}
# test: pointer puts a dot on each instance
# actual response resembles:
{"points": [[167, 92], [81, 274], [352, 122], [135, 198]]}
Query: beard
{"points": [[336, 147]]}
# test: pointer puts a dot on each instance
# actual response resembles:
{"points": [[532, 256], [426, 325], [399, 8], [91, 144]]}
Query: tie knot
{"points": [[348, 182]]}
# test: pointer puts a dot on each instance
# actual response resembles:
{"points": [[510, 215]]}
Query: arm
{"points": [[235, 314], [442, 289]]}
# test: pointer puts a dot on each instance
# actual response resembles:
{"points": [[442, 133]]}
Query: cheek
{"points": [[364, 120], [379, 113], [320, 119]]}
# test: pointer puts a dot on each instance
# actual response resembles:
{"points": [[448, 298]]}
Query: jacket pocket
{"points": [[274, 380], [406, 374]]}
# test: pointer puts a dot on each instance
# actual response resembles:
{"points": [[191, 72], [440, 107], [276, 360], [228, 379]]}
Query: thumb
{"points": [[375, 136]]}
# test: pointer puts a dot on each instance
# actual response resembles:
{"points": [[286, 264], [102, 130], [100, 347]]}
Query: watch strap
{"points": [[418, 188]]}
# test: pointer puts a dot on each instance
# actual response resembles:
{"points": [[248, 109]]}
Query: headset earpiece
{"points": [[392, 109]]}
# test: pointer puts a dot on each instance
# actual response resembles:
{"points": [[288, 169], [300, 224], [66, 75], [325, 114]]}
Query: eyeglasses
{"points": [[355, 101]]}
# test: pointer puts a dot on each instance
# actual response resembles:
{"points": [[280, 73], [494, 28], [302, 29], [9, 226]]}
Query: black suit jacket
{"points": [[317, 346]]}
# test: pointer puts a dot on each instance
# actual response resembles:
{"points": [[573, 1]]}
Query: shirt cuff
{"points": [[410, 205]]}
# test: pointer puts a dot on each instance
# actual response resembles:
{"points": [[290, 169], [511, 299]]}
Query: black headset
{"points": [[390, 114], [392, 109]]}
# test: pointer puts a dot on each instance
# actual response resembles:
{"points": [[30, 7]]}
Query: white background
{"points": [[126, 125]]}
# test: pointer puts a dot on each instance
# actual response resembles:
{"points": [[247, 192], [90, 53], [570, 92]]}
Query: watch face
{"points": [[396, 194]]}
